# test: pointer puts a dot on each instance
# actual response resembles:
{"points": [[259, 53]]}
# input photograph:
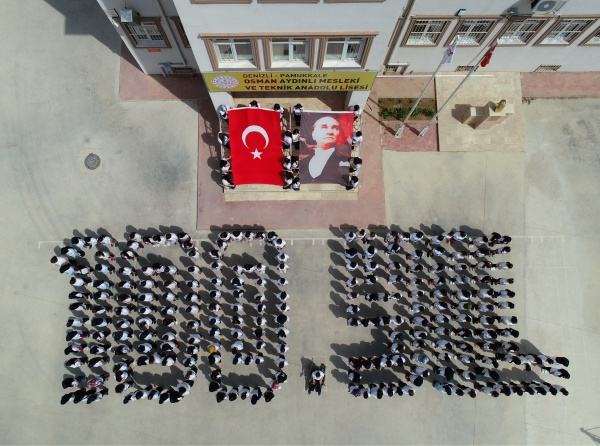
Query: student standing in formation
{"points": [[357, 111], [296, 142], [352, 182], [222, 111], [297, 113], [223, 139], [357, 139]]}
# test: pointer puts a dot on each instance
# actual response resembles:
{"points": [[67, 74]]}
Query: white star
{"points": [[256, 154]]}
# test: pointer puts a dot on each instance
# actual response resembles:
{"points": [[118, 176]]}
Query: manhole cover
{"points": [[92, 161]]}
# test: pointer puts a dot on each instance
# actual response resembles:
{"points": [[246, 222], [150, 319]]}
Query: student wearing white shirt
{"points": [[222, 111], [223, 139], [357, 138], [297, 113], [355, 165], [357, 111], [352, 182], [278, 108], [296, 139], [287, 140], [59, 260]]}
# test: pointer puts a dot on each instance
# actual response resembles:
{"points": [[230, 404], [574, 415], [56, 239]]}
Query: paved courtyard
{"points": [[56, 106]]}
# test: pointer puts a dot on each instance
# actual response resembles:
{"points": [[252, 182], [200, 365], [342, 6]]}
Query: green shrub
{"points": [[429, 112], [399, 113]]}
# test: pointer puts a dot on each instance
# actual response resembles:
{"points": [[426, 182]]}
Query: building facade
{"points": [[249, 45]]}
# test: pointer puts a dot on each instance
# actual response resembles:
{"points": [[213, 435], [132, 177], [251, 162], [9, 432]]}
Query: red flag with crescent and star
{"points": [[255, 141]]}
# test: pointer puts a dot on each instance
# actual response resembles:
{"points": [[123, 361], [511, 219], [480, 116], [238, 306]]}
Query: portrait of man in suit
{"points": [[325, 150]]}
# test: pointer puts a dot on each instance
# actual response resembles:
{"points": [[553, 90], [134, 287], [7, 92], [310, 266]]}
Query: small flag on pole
{"points": [[449, 53], [488, 56]]}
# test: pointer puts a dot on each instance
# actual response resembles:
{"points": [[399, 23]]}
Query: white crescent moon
{"points": [[257, 129]]}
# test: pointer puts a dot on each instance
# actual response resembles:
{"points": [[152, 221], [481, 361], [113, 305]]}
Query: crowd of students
{"points": [[265, 314], [452, 326], [126, 306]]}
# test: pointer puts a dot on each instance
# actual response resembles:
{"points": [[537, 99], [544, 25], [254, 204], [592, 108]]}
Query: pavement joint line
{"points": [[314, 239], [550, 267], [557, 324]]}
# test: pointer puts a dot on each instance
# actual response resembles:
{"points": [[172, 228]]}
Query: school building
{"points": [[295, 48]]}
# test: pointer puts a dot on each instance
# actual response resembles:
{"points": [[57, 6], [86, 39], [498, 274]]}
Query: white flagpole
{"points": [[414, 107], [471, 71], [398, 133]]}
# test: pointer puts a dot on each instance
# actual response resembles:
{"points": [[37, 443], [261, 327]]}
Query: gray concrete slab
{"points": [[548, 195], [58, 101]]}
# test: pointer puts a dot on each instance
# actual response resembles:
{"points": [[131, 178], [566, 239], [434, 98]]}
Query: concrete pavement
{"points": [[59, 101]]}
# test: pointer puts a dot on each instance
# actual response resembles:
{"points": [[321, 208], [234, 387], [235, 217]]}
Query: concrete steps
{"points": [[264, 192]]}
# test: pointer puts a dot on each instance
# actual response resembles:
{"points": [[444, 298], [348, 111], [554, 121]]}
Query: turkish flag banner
{"points": [[488, 56], [255, 141]]}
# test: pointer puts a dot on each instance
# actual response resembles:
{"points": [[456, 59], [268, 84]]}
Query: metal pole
{"points": [[426, 128], [414, 107], [471, 71]]}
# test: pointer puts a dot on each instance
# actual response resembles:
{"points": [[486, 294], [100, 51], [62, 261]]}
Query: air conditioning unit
{"points": [[128, 15], [542, 7]]}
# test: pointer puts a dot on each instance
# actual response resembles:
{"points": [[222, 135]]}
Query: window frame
{"points": [[268, 53], [288, 1], [542, 22], [212, 2], [182, 36], [594, 33], [359, 64], [590, 19], [413, 21], [346, 42], [493, 22], [320, 37], [157, 22], [351, 1], [215, 60]]}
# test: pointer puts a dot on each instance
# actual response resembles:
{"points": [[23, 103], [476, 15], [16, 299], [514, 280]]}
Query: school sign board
{"points": [[289, 81]]}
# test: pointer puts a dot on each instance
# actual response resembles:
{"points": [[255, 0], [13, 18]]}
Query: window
{"points": [[519, 32], [181, 31], [546, 68], [290, 52], [565, 31], [208, 2], [288, 1], [238, 53], [395, 68], [593, 38], [344, 52], [147, 33], [471, 32], [425, 32]]}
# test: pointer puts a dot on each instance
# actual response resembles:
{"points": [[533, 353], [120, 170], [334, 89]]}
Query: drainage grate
{"points": [[546, 68], [92, 161]]}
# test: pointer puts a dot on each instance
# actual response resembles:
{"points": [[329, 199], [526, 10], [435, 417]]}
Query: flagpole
{"points": [[398, 133], [471, 71]]}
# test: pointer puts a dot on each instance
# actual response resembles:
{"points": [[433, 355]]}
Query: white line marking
{"points": [[322, 239]]}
